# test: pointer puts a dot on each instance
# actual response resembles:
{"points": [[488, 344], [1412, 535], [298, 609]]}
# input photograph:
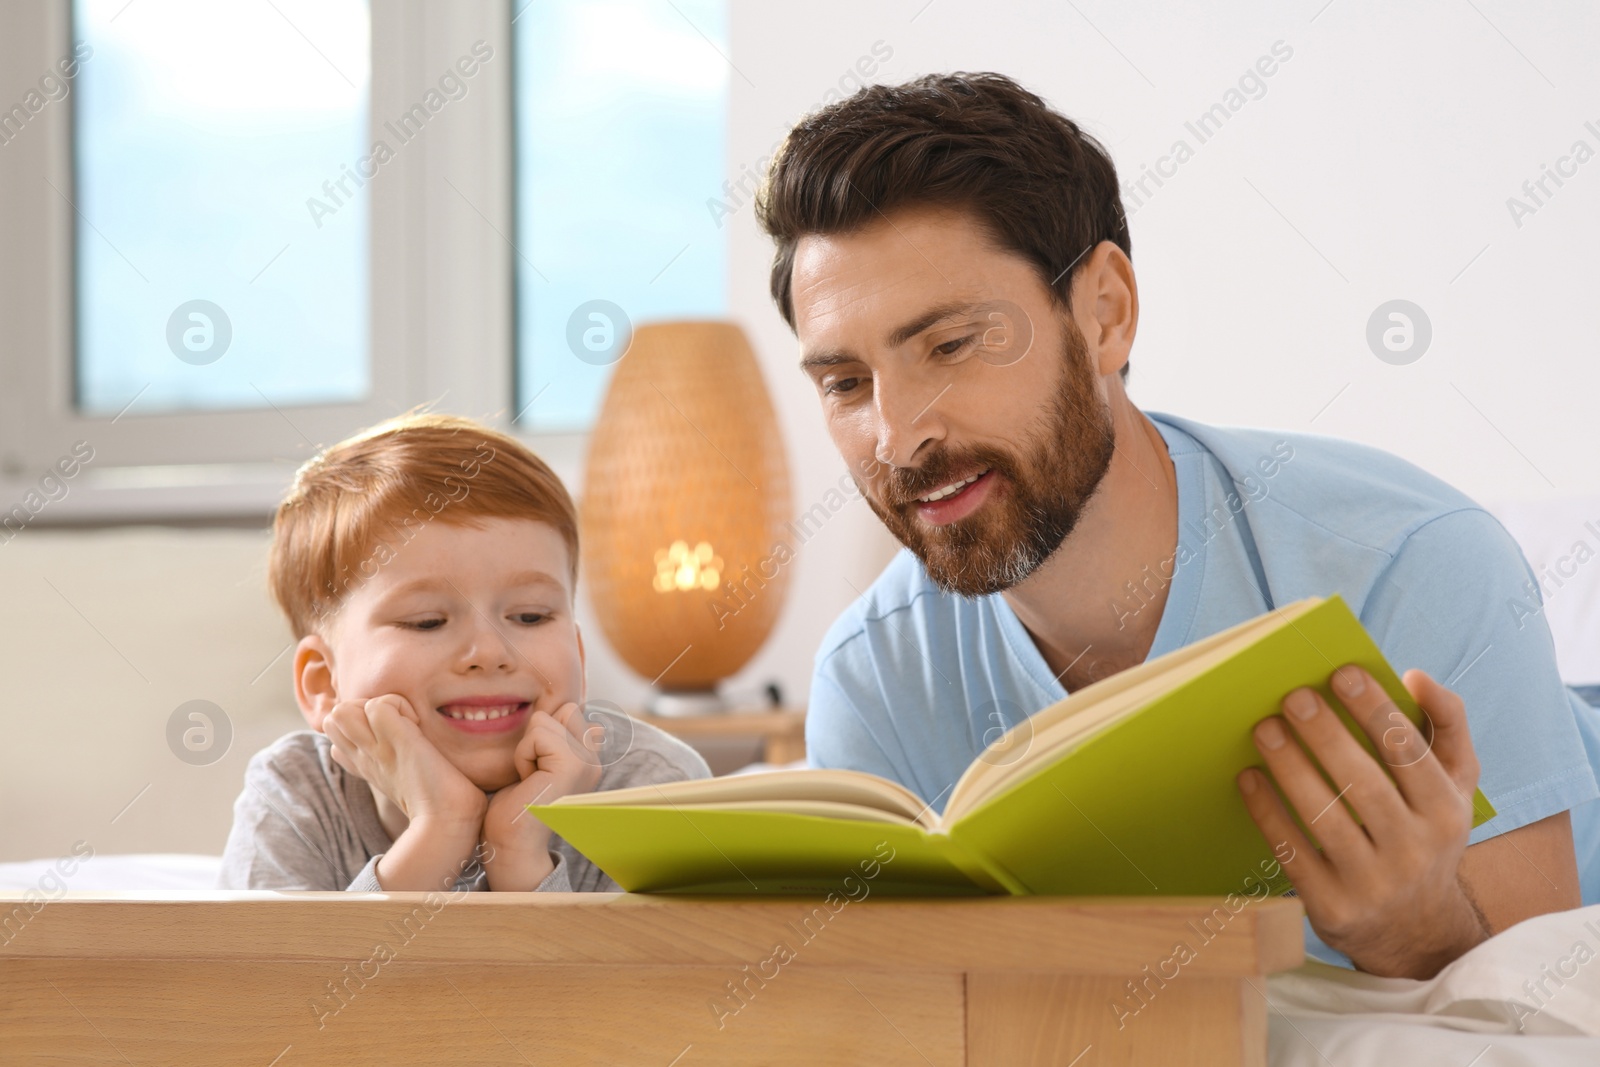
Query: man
{"points": [[954, 260]]}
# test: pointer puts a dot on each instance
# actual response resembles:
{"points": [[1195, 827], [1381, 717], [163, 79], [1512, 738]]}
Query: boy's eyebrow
{"points": [[517, 580], [534, 577]]}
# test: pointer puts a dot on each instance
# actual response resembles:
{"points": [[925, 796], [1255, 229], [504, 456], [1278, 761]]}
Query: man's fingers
{"points": [[1447, 719], [1320, 807], [1358, 779], [1430, 779], [1306, 868]]}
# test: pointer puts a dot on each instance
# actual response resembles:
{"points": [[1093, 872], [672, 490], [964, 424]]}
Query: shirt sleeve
{"points": [[558, 880], [286, 831], [1460, 602], [366, 881]]}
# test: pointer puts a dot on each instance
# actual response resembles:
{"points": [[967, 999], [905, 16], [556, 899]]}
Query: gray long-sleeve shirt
{"points": [[304, 822]]}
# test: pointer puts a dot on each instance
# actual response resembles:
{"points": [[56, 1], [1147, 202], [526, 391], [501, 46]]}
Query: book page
{"points": [[820, 809], [1054, 730], [776, 791]]}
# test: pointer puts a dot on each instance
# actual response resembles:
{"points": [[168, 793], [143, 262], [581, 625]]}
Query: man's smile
{"points": [[952, 488], [956, 500]]}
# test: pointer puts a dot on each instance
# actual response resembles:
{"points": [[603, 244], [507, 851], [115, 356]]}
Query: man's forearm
{"points": [[1532, 870]]}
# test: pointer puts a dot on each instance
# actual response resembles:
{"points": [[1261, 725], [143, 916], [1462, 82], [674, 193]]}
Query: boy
{"points": [[428, 567]]}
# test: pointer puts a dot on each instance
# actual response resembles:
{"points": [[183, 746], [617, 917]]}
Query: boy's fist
{"points": [[381, 741], [557, 756]]}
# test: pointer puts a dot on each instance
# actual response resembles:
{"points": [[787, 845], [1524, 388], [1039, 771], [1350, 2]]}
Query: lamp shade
{"points": [[686, 506]]}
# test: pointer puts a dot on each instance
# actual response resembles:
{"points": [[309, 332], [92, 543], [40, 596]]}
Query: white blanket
{"points": [[1530, 995]]}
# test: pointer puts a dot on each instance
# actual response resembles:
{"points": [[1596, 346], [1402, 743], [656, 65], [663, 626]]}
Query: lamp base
{"points": [[682, 703]]}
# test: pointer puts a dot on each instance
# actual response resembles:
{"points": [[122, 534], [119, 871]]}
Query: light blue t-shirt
{"points": [[911, 682]]}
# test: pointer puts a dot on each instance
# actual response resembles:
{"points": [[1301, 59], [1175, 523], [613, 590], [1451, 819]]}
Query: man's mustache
{"points": [[904, 486]]}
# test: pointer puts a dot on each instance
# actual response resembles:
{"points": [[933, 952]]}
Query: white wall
{"points": [[107, 634], [1375, 165]]}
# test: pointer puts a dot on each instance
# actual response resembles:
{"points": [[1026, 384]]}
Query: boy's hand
{"points": [[557, 755], [381, 741]]}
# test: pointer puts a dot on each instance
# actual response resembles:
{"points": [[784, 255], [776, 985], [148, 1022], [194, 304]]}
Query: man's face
{"points": [[474, 627], [961, 395]]}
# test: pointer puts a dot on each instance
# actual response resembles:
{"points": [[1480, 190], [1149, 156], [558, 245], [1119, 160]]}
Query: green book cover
{"points": [[1144, 802]]}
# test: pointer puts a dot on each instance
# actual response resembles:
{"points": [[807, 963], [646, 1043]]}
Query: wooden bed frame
{"points": [[283, 979]]}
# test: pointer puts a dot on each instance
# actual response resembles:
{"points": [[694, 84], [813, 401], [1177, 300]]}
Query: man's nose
{"points": [[907, 419]]}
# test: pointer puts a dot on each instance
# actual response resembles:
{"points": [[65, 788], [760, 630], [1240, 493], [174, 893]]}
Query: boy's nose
{"points": [[490, 649]]}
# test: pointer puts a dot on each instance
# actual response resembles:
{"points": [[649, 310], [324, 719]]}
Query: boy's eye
{"points": [[422, 624], [530, 618]]}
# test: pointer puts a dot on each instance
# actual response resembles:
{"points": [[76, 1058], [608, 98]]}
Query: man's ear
{"points": [[315, 688], [1105, 303]]}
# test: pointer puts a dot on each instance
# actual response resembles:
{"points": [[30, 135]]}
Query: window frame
{"points": [[440, 305]]}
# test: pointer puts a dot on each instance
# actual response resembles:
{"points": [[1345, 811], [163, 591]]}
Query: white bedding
{"points": [[1530, 996], [154, 870]]}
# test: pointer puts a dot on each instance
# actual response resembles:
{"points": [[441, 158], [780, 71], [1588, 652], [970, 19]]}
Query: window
{"points": [[221, 238], [229, 153], [621, 127]]}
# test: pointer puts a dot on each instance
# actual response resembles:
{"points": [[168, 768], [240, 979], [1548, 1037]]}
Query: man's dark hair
{"points": [[979, 142]]}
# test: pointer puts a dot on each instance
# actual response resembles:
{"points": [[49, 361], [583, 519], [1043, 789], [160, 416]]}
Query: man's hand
{"points": [[1384, 891], [556, 756], [381, 741]]}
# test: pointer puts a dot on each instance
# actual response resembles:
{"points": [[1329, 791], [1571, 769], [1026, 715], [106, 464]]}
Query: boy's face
{"points": [[462, 622]]}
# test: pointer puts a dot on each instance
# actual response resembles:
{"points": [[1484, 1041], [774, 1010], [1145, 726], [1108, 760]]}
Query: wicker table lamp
{"points": [[685, 511]]}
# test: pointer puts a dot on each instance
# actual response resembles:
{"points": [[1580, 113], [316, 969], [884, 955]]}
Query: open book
{"points": [[1125, 787]]}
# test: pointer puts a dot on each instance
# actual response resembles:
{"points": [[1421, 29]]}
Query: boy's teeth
{"points": [[479, 714]]}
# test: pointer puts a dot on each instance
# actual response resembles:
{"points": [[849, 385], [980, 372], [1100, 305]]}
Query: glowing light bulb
{"points": [[679, 567]]}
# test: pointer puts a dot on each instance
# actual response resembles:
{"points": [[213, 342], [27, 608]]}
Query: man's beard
{"points": [[1044, 491]]}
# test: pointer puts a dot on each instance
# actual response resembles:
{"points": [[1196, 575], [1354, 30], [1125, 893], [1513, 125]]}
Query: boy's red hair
{"points": [[353, 505]]}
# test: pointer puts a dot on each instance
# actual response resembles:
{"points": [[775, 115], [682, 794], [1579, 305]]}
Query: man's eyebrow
{"points": [[954, 309], [897, 337], [819, 360]]}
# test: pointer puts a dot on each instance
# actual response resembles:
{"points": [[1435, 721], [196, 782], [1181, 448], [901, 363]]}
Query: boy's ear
{"points": [[315, 688]]}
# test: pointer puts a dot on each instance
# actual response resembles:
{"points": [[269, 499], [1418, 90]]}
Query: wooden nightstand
{"points": [[782, 731]]}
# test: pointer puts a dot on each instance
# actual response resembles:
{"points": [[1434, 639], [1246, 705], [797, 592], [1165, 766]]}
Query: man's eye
{"points": [[842, 386], [950, 348]]}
